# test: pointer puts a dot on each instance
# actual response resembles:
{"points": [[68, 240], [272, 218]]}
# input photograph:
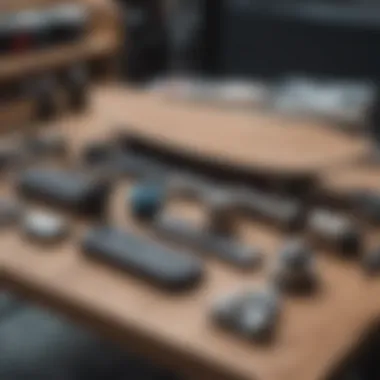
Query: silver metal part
{"points": [[344, 102], [189, 186], [222, 210], [296, 268], [335, 230], [45, 227], [253, 313], [196, 238], [281, 211]]}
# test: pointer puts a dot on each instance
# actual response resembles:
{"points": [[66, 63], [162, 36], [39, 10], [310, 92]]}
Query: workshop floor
{"points": [[36, 344]]}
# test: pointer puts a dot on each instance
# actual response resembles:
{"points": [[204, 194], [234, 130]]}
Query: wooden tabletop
{"points": [[271, 144], [315, 333], [350, 178]]}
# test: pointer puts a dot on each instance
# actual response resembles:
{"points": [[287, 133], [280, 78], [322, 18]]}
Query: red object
{"points": [[21, 42]]}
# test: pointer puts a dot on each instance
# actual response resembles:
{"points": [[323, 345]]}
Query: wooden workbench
{"points": [[349, 178], [314, 333], [269, 144]]}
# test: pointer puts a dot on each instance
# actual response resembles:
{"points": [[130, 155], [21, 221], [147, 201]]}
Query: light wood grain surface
{"points": [[349, 178], [266, 142], [314, 333]]}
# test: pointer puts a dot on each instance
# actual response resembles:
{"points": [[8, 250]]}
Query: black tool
{"points": [[154, 262], [284, 212], [76, 82], [295, 270], [47, 144], [200, 239], [97, 153], [45, 95], [128, 164], [139, 166], [222, 208], [71, 190], [335, 231], [188, 185], [252, 313], [367, 203]]}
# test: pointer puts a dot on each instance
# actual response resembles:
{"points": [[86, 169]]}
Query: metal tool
{"points": [[71, 190], [45, 227], [253, 313], [224, 248], [334, 230], [295, 268], [156, 263]]}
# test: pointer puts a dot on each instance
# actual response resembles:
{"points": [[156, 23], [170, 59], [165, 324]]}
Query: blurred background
{"points": [[301, 58], [304, 57], [253, 39]]}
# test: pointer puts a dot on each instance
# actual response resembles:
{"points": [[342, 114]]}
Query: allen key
{"points": [[222, 247], [283, 212]]}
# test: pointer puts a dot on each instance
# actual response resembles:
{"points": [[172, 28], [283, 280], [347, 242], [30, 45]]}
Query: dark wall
{"points": [[145, 54], [243, 40]]}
